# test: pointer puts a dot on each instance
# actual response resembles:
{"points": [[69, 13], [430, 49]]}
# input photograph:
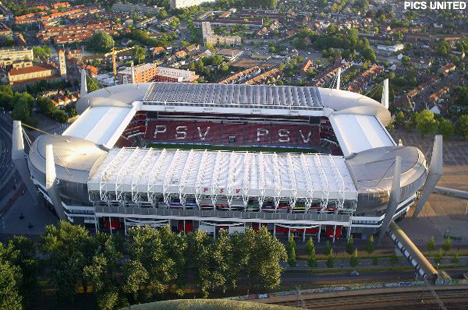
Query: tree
{"points": [[42, 52], [9, 282], [370, 245], [394, 259], [144, 245], [431, 244], [21, 253], [447, 246], [405, 60], [291, 250], [21, 112], [224, 67], [68, 248], [400, 118], [45, 106], [101, 42], [139, 54], [425, 122], [330, 259], [443, 48], [220, 260], [462, 126], [375, 261], [446, 128], [456, 258], [328, 248], [312, 260], [92, 84], [439, 256], [369, 54], [354, 260], [134, 277], [309, 247], [162, 14], [199, 263], [268, 253], [6, 97], [60, 116], [175, 246], [102, 271], [350, 245]]}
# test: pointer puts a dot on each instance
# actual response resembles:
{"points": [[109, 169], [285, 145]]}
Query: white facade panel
{"points": [[357, 133], [101, 125]]}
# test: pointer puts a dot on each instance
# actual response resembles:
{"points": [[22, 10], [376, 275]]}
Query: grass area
{"points": [[232, 148], [207, 304]]}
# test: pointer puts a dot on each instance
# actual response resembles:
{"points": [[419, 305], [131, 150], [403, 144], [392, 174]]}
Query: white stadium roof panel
{"points": [[234, 95], [357, 133], [223, 173], [102, 125]]}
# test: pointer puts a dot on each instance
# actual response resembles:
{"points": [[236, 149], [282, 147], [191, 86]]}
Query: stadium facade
{"points": [[307, 160]]}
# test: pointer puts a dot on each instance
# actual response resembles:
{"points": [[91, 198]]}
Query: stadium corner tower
{"points": [[307, 160]]}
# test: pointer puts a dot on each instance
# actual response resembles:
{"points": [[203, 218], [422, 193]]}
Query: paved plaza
{"points": [[441, 214]]}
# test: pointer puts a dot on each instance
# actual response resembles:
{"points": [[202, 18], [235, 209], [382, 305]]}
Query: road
{"points": [[390, 298], [6, 127], [308, 279]]}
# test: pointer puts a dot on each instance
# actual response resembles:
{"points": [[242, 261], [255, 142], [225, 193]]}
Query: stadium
{"points": [[304, 160]]}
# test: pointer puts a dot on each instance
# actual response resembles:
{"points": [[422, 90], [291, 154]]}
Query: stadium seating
{"points": [[232, 133], [241, 132]]}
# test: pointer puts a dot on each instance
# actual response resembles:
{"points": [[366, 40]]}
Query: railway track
{"points": [[452, 299]]}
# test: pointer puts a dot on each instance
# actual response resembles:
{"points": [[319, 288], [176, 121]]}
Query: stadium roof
{"points": [[234, 95], [357, 133], [102, 125], [222, 173]]}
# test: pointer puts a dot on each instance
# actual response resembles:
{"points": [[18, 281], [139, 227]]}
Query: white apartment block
{"points": [[178, 4], [209, 37], [10, 55]]}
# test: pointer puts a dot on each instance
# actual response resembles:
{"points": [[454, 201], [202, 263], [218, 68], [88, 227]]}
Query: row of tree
{"points": [[21, 104], [427, 122], [142, 266], [337, 39], [328, 252]]}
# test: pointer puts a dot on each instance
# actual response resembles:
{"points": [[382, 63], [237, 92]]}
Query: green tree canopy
{"points": [[439, 256], [21, 253], [327, 248], [354, 260], [68, 248], [462, 126], [10, 276], [42, 52], [370, 245], [103, 269], [394, 259], [400, 118], [309, 246], [291, 251], [431, 244], [21, 112], [456, 258], [446, 128], [139, 54], [447, 246], [312, 259], [350, 245], [101, 42], [330, 259], [425, 122]]}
